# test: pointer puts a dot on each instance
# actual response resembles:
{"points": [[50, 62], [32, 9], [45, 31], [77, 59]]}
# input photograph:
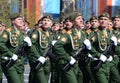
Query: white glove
{"points": [[27, 30], [114, 39], [53, 42], [89, 55], [72, 61], [87, 44], [14, 57], [42, 59], [103, 58], [110, 58], [28, 40]]}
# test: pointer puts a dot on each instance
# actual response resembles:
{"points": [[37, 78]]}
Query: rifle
{"points": [[88, 59], [47, 53], [39, 64], [107, 53], [20, 49], [76, 55]]}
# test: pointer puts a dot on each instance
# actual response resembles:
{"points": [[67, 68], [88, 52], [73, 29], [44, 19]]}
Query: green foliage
{"points": [[5, 12]]}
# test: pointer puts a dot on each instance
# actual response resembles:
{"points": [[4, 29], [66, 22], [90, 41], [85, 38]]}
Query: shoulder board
{"points": [[110, 28], [64, 31], [8, 29], [69, 31], [88, 31], [39, 29]]}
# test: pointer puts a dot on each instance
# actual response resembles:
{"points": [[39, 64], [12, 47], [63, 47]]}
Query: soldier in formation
{"points": [[52, 46]]}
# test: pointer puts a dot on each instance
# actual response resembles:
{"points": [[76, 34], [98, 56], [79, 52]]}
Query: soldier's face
{"points": [[94, 23], [110, 24], [103, 22], [68, 24], [46, 23], [56, 27], [79, 21], [18, 22], [116, 23], [88, 25]]}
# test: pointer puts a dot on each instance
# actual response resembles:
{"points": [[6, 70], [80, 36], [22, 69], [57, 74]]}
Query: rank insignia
{"points": [[4, 35], [34, 36], [63, 39]]}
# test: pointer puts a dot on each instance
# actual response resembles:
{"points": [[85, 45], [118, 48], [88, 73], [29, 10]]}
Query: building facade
{"points": [[34, 9]]}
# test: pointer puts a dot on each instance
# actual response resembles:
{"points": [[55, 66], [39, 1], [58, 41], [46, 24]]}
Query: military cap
{"points": [[47, 16], [55, 23], [39, 21], [67, 18], [15, 15], [57, 20], [105, 14], [116, 16], [62, 20], [87, 21], [93, 18], [73, 15]]}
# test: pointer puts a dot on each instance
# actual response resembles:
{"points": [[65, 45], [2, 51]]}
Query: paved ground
{"points": [[25, 75]]}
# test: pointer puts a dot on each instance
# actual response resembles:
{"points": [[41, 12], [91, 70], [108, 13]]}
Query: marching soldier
{"points": [[87, 74], [56, 29], [94, 24], [2, 28], [67, 45], [87, 26], [110, 25], [100, 42], [41, 38], [10, 40], [114, 69], [54, 67]]}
